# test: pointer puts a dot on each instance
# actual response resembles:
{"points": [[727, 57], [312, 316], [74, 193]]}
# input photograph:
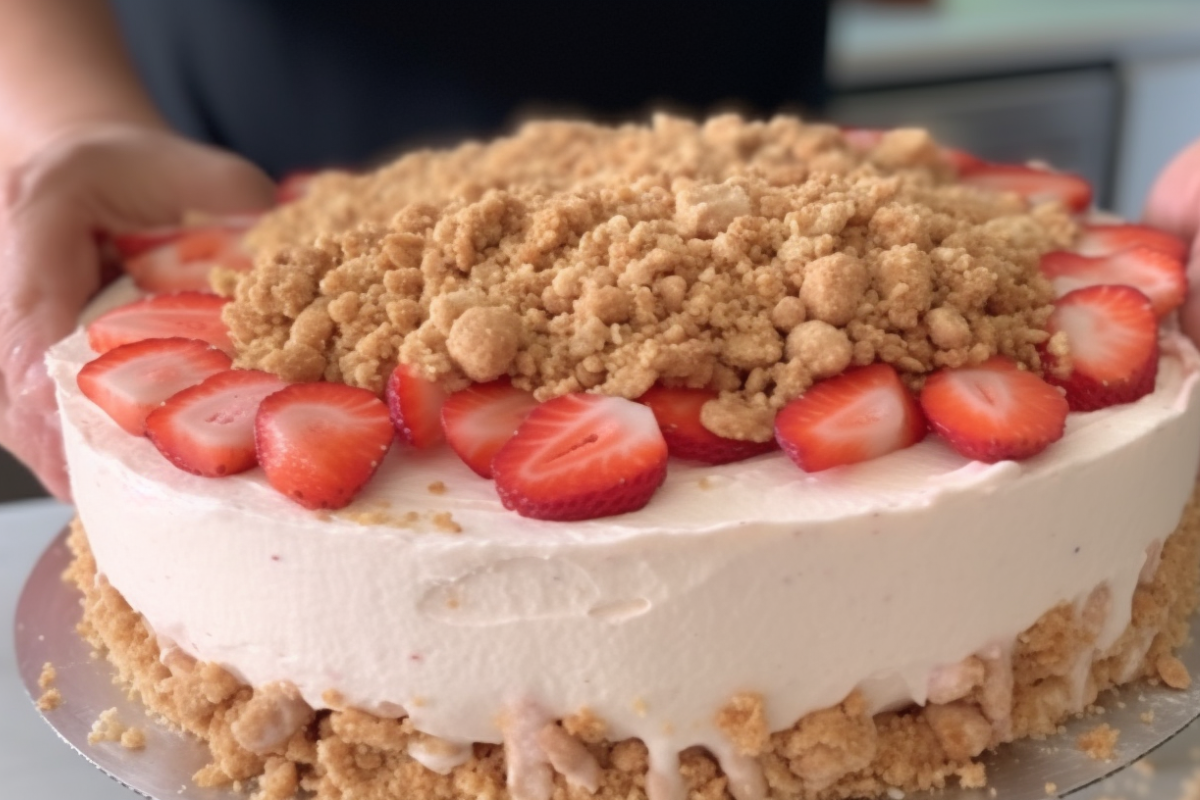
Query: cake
{"points": [[847, 606]]}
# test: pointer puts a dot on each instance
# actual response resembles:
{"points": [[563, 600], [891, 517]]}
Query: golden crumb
{"points": [[1173, 672], [48, 676], [437, 487], [974, 776], [585, 726], [751, 258], [444, 521], [1147, 717], [107, 728], [1099, 742], [743, 720], [133, 739], [1144, 767], [50, 700], [1050, 788]]}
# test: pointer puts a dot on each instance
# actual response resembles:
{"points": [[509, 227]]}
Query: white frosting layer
{"points": [[746, 577]]}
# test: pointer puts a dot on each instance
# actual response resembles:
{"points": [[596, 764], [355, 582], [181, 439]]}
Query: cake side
{"points": [[267, 739]]}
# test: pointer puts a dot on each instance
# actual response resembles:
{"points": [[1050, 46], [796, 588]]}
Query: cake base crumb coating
{"points": [[268, 742]]}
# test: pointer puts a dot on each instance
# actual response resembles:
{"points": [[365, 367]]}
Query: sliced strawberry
{"points": [[1159, 276], [209, 429], [678, 414], [1034, 184], [131, 245], [185, 263], [416, 406], [859, 415], [319, 443], [1105, 240], [961, 160], [995, 411], [478, 421], [1112, 334], [190, 315], [582, 456], [130, 381]]}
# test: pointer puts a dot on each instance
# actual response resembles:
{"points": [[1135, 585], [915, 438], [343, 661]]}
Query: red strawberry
{"points": [[130, 381], [961, 160], [1033, 183], [859, 415], [478, 421], [184, 263], [678, 414], [190, 315], [1113, 338], [1105, 240], [1159, 276], [416, 406], [581, 456], [209, 429], [319, 443], [995, 411], [131, 245]]}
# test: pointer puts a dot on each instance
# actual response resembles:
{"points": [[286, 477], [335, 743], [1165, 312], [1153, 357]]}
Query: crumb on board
{"points": [[1099, 742]]}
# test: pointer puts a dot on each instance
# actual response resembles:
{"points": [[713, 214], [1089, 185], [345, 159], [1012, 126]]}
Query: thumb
{"points": [[1174, 202], [148, 178]]}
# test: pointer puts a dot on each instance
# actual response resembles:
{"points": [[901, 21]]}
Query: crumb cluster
{"points": [[748, 258], [51, 698], [268, 740]]}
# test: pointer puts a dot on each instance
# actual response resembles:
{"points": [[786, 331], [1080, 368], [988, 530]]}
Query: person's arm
{"points": [[1174, 205], [82, 150], [62, 65]]}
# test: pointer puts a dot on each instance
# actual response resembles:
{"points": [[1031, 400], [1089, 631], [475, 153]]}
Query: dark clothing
{"points": [[301, 83]]}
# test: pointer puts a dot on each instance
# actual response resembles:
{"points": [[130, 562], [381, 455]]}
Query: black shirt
{"points": [[302, 83]]}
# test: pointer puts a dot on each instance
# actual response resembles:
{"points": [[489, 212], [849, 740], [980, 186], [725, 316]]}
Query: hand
{"points": [[1174, 205], [99, 178]]}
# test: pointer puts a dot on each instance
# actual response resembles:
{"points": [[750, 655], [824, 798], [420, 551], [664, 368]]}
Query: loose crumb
{"points": [[108, 728], [50, 700], [1099, 742], [1050, 788], [437, 487], [1147, 716], [48, 677], [444, 521], [743, 720], [1173, 672], [1144, 767], [133, 739]]}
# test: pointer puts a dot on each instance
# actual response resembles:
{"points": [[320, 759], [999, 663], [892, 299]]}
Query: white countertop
{"points": [[35, 765], [875, 45]]}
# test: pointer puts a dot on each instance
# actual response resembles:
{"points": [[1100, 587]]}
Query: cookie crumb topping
{"points": [[747, 257]]}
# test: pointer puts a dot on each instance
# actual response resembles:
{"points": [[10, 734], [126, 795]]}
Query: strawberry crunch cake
{"points": [[725, 460]]}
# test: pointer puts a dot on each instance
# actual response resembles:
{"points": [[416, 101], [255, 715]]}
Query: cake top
{"points": [[749, 258]]}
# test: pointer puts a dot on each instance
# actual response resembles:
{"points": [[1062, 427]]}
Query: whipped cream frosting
{"points": [[747, 577]]}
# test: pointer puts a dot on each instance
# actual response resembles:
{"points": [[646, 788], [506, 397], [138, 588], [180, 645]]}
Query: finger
{"points": [[49, 269], [1174, 202]]}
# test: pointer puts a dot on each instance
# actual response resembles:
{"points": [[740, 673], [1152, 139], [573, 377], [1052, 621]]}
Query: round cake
{"points": [[843, 608]]}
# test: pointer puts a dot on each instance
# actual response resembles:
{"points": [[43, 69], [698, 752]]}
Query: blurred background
{"points": [[1105, 88]]}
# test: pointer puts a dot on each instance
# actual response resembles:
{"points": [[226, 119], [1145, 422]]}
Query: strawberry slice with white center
{"points": [[416, 406], [1112, 333], [995, 411], [1035, 184], [130, 381], [582, 456], [1159, 276], [678, 413], [861, 414], [319, 443], [190, 315], [1105, 240], [133, 244], [185, 262], [478, 421], [209, 429]]}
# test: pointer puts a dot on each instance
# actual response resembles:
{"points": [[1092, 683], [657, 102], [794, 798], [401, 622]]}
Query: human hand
{"points": [[114, 178], [1174, 206]]}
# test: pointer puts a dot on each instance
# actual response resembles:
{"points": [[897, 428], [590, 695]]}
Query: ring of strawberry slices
{"points": [[164, 371]]}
